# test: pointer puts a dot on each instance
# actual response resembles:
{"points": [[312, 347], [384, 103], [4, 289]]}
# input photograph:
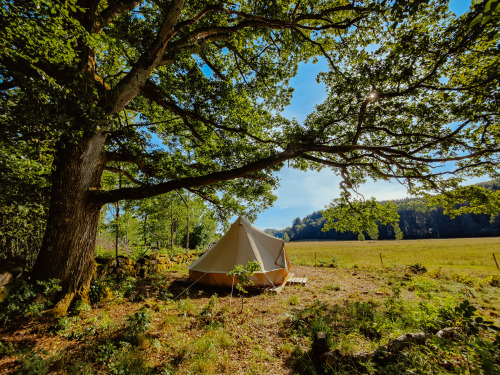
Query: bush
{"points": [[97, 291], [417, 268], [137, 324], [493, 280], [475, 348]]}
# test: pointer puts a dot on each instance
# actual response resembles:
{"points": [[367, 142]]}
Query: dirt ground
{"points": [[251, 341]]}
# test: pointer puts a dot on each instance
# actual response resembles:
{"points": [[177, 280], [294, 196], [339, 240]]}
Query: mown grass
{"points": [[473, 255]]}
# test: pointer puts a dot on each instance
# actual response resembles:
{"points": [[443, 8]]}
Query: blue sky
{"points": [[301, 193]]}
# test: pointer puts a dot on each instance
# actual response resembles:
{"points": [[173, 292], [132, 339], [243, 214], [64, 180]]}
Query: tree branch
{"points": [[155, 93], [114, 156], [125, 173], [193, 182], [151, 92], [130, 85], [116, 8]]}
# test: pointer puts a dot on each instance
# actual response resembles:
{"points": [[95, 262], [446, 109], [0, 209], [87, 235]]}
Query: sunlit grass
{"points": [[458, 254]]}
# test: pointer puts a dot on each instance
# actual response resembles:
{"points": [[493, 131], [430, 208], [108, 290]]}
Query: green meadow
{"points": [[474, 255]]}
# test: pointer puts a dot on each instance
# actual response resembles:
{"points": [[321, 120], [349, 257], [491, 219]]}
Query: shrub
{"points": [[422, 285], [27, 299], [493, 280], [81, 307], [137, 324], [97, 291], [334, 262], [208, 310], [7, 349], [242, 274], [417, 268]]}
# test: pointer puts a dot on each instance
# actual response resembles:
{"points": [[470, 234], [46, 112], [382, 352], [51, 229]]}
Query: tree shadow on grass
{"points": [[181, 289]]}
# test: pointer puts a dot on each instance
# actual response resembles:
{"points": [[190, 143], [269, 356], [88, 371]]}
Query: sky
{"points": [[301, 193]]}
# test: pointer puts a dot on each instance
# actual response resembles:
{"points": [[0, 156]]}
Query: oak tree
{"points": [[187, 95]]}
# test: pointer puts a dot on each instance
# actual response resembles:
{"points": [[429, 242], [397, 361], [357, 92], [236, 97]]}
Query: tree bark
{"points": [[68, 247]]}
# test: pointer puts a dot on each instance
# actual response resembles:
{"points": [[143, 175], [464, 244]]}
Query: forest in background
{"points": [[170, 221], [416, 219]]}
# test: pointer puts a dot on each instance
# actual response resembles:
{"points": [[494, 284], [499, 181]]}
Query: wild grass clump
{"points": [[116, 351], [334, 262], [207, 354], [112, 357], [332, 287], [493, 280], [466, 279], [212, 317], [293, 300], [186, 307]]}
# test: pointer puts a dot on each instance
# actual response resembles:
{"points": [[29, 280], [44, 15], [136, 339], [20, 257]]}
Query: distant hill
{"points": [[417, 220]]}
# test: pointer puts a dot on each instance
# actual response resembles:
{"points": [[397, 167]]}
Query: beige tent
{"points": [[241, 244]]}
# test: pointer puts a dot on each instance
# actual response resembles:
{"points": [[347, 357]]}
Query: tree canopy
{"points": [[190, 92]]}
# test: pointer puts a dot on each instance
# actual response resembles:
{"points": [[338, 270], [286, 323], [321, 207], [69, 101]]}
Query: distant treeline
{"points": [[417, 220]]}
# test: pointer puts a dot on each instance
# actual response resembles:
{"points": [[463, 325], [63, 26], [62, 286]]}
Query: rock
{"points": [[5, 278], [10, 269], [405, 340], [448, 333]]}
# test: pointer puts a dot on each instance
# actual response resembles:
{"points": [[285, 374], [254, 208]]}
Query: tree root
{"points": [[62, 306], [64, 303]]}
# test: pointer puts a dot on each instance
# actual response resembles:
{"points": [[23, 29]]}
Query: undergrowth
{"points": [[358, 335], [27, 299]]}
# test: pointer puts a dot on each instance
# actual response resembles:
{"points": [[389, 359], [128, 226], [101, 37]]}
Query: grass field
{"points": [[161, 324], [472, 255]]}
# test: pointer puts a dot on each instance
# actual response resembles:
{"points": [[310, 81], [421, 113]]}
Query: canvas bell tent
{"points": [[241, 244]]}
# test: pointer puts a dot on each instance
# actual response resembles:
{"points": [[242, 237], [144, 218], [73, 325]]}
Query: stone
{"points": [[5, 278]]}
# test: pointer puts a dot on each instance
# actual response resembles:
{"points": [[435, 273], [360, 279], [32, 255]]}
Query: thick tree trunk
{"points": [[68, 247]]}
